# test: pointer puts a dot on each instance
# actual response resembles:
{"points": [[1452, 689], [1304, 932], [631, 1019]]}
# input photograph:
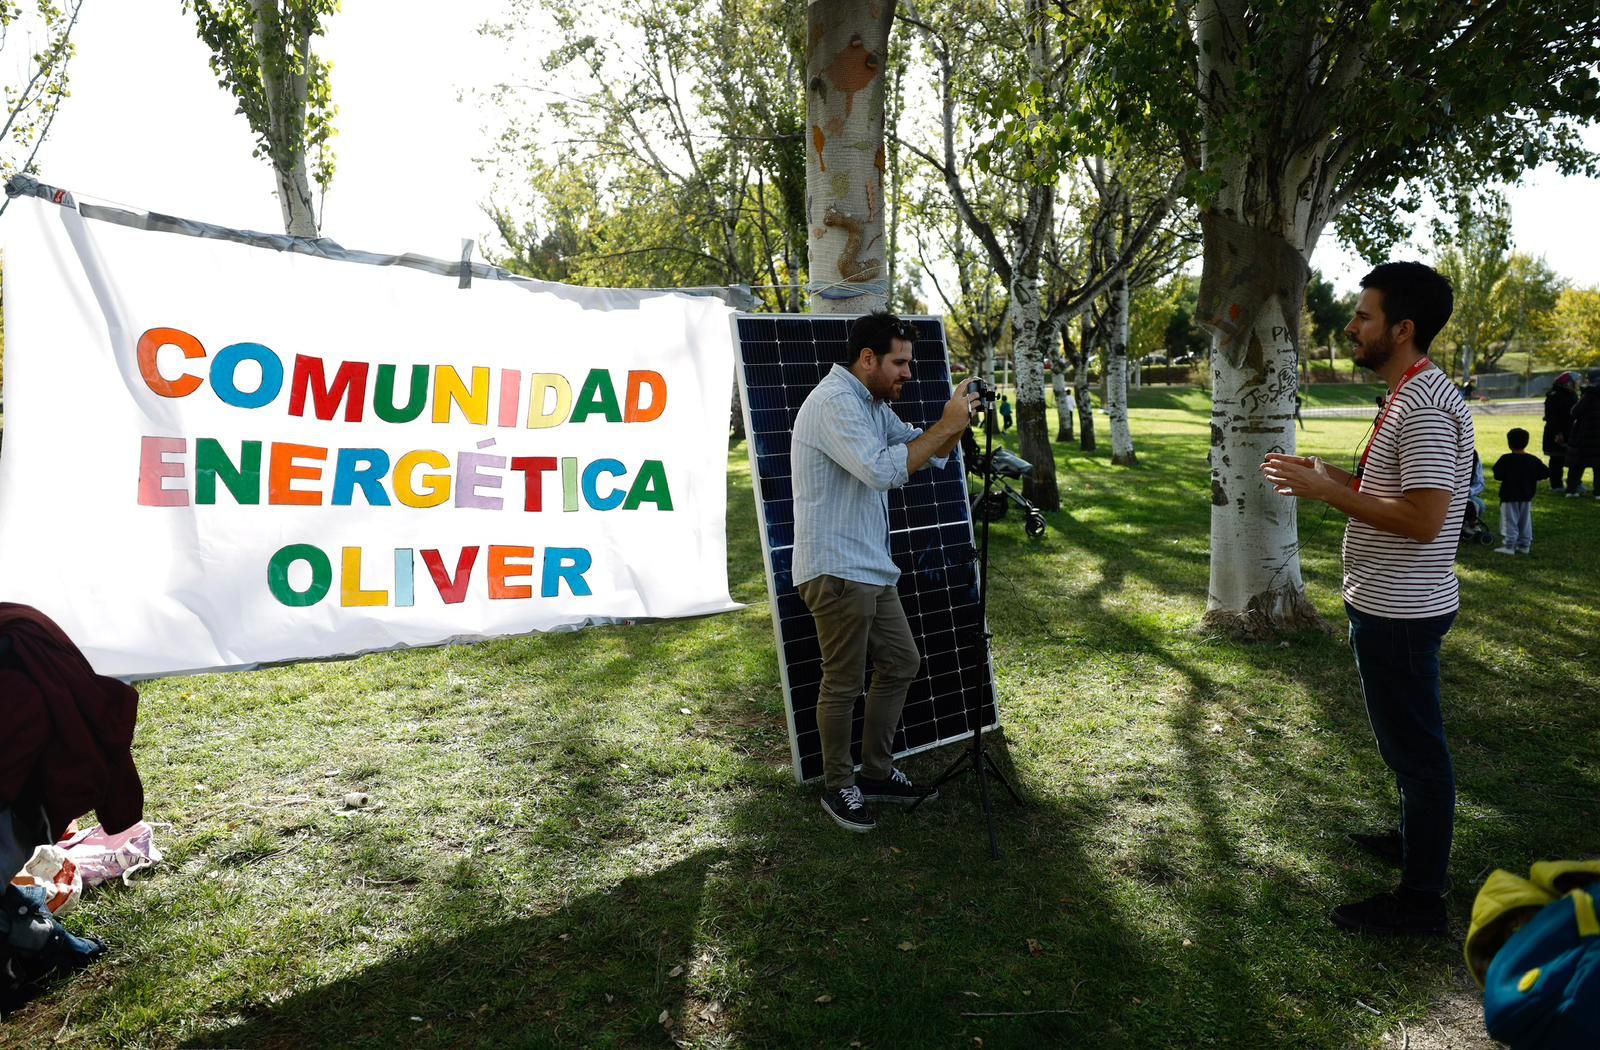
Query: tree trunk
{"points": [[1029, 337], [1122, 454], [1256, 589], [845, 154], [294, 194], [1064, 405], [1081, 383], [1265, 223], [285, 84]]}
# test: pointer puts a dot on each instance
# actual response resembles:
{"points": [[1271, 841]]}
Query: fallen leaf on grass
{"points": [[1034, 947], [906, 946], [684, 711], [1187, 943], [824, 998], [675, 971], [665, 1019], [1216, 729]]}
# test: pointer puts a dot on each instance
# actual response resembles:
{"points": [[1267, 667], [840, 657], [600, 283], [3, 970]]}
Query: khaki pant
{"points": [[853, 620]]}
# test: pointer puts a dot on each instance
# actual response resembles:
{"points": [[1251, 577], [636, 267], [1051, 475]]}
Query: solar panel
{"points": [[781, 358]]}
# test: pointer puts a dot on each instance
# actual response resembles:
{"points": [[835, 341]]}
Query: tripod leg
{"points": [[949, 772], [988, 803], [994, 771]]}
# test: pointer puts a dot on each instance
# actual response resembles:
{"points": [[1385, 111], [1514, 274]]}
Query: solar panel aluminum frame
{"points": [[955, 703]]}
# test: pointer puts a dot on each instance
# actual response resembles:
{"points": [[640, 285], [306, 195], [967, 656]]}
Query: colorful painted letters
{"points": [[255, 473]]}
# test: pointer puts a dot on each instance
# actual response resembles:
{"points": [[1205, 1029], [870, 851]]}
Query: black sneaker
{"points": [[1385, 846], [1399, 912], [847, 809], [896, 787]]}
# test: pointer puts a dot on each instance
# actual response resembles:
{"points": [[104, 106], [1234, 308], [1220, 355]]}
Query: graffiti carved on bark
{"points": [[845, 163]]}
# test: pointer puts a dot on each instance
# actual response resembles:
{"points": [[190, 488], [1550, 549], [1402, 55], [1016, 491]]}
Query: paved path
{"points": [[1479, 408]]}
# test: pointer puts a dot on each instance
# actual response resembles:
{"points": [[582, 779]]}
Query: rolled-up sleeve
{"points": [[854, 443], [903, 433]]}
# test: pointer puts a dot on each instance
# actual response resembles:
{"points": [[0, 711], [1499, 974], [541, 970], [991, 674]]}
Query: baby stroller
{"points": [[1473, 530], [1007, 464]]}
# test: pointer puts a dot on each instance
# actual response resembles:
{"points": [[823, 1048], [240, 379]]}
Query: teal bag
{"points": [[1542, 990]]}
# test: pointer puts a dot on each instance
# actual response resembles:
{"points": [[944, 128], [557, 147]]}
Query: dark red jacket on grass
{"points": [[65, 732]]}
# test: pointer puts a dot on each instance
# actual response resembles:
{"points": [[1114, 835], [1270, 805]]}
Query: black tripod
{"points": [[974, 759]]}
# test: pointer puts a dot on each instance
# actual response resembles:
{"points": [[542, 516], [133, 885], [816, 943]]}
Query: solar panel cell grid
{"points": [[930, 537]]}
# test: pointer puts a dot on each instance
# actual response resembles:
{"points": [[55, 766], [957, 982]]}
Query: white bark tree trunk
{"points": [[1122, 453], [845, 157], [285, 84], [1277, 204], [1030, 335], [1065, 409], [1256, 588], [1081, 388]]}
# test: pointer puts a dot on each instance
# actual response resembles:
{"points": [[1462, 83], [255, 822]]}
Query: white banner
{"points": [[218, 455]]}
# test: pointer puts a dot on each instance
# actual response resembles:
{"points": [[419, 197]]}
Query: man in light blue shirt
{"points": [[847, 451]]}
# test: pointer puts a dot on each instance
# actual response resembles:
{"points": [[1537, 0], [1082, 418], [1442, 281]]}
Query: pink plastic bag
{"points": [[101, 857]]}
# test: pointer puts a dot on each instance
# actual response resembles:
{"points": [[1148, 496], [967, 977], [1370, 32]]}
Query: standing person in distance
{"points": [[1557, 421], [1405, 505], [847, 451], [1583, 439], [1005, 412], [1518, 474]]}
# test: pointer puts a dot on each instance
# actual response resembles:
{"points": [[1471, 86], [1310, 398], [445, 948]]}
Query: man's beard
{"points": [[889, 391], [1373, 356]]}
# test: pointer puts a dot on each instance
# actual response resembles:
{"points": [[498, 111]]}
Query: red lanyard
{"points": [[1378, 423]]}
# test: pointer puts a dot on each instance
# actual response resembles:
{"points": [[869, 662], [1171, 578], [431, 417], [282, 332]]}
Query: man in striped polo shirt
{"points": [[1405, 504], [847, 451]]}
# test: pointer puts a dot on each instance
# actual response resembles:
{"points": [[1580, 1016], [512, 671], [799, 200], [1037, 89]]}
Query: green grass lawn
{"points": [[593, 839]]}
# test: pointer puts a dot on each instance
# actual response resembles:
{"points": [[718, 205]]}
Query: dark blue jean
{"points": [[1398, 661]]}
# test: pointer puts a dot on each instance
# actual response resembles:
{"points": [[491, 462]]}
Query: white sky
{"points": [[148, 127]]}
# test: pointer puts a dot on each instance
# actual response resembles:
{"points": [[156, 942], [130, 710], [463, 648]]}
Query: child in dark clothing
{"points": [[1519, 475]]}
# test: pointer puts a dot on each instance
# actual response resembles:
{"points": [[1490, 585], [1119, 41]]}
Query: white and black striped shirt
{"points": [[1426, 442]]}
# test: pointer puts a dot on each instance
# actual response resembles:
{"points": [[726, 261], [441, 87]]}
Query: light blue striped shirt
{"points": [[847, 451]]}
